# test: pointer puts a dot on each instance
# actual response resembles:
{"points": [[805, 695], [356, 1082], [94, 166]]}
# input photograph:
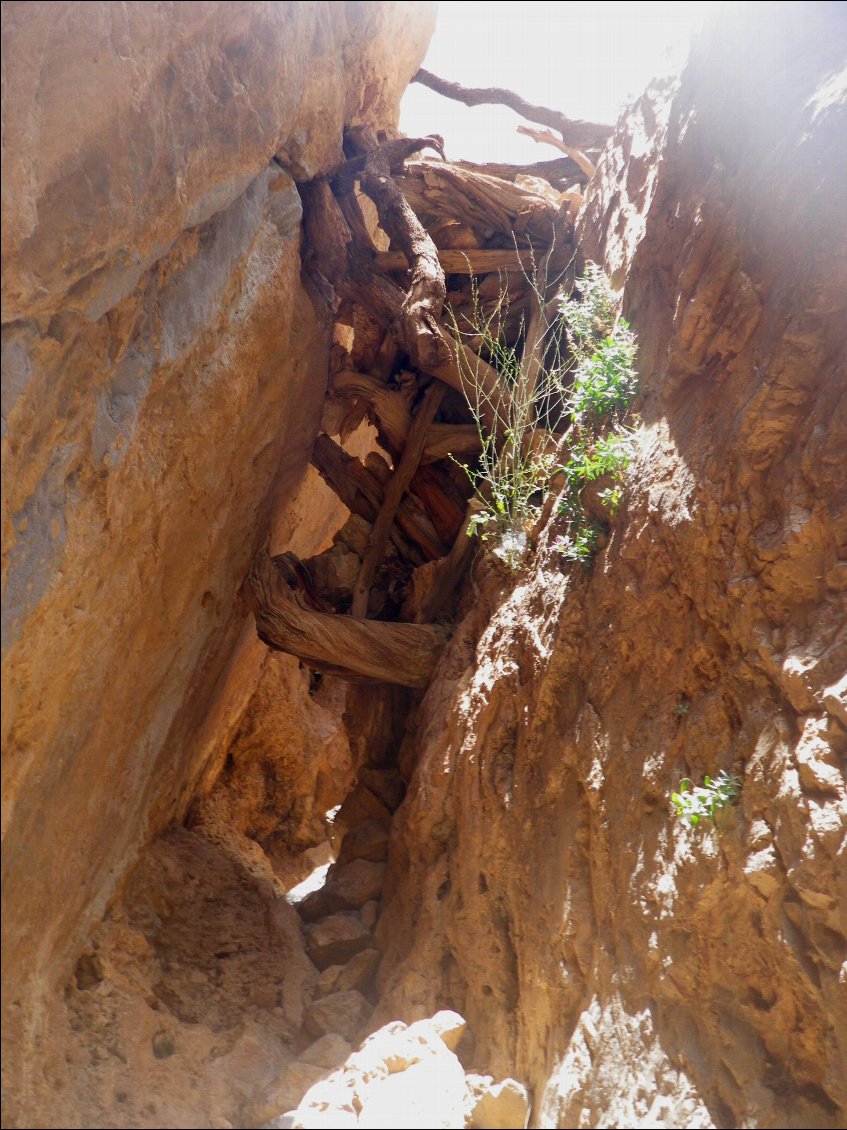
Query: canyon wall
{"points": [[634, 971], [164, 372]]}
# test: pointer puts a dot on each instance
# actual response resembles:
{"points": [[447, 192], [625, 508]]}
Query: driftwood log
{"points": [[340, 645]]}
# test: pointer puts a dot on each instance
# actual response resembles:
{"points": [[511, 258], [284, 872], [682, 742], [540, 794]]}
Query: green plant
{"points": [[512, 472], [604, 382], [580, 546], [587, 384], [704, 802]]}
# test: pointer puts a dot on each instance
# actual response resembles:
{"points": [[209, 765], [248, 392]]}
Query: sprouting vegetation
{"points": [[517, 456], [604, 384], [557, 417], [694, 804]]}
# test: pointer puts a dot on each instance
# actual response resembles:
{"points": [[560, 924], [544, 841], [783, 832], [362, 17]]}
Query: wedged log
{"points": [[393, 653], [352, 213], [395, 488], [581, 134], [441, 498], [470, 262], [561, 172], [342, 260], [424, 301], [393, 418], [434, 190], [349, 268], [361, 492]]}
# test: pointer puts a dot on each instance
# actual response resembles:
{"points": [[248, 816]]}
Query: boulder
{"points": [[366, 841], [386, 784], [427, 1095], [336, 939], [354, 975], [330, 1051], [287, 1091], [347, 888], [343, 1013], [501, 1106]]}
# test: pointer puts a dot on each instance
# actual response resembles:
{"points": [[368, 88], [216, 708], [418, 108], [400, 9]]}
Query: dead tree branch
{"points": [[372, 649], [394, 491], [546, 137], [582, 135]]}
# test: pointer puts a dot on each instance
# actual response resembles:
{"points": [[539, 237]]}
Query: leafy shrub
{"points": [[604, 383], [591, 381], [703, 803], [511, 475]]}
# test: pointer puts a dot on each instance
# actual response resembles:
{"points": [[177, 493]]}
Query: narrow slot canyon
{"points": [[424, 619]]}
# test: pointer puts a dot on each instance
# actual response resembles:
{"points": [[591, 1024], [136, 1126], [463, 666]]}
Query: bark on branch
{"points": [[581, 135], [371, 649], [394, 491], [362, 494], [424, 301]]}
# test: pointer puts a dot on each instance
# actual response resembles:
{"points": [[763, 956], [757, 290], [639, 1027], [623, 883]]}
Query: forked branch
{"points": [[581, 135]]}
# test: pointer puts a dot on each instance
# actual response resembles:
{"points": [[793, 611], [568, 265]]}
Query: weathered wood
{"points": [[391, 155], [535, 341], [561, 172], [394, 491], [362, 493], [351, 209], [434, 584], [441, 498], [394, 653], [392, 418], [546, 137], [390, 410], [342, 261], [444, 440], [423, 303], [435, 190], [583, 135], [351, 273], [470, 262]]}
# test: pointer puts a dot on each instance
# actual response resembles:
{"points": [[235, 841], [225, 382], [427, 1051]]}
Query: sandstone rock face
{"points": [[634, 971], [185, 1002], [164, 373]]}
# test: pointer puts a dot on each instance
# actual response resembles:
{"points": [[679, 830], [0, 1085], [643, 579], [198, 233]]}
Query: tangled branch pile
{"points": [[413, 257]]}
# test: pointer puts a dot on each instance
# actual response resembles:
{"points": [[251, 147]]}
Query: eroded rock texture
{"points": [[632, 971], [163, 376]]}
